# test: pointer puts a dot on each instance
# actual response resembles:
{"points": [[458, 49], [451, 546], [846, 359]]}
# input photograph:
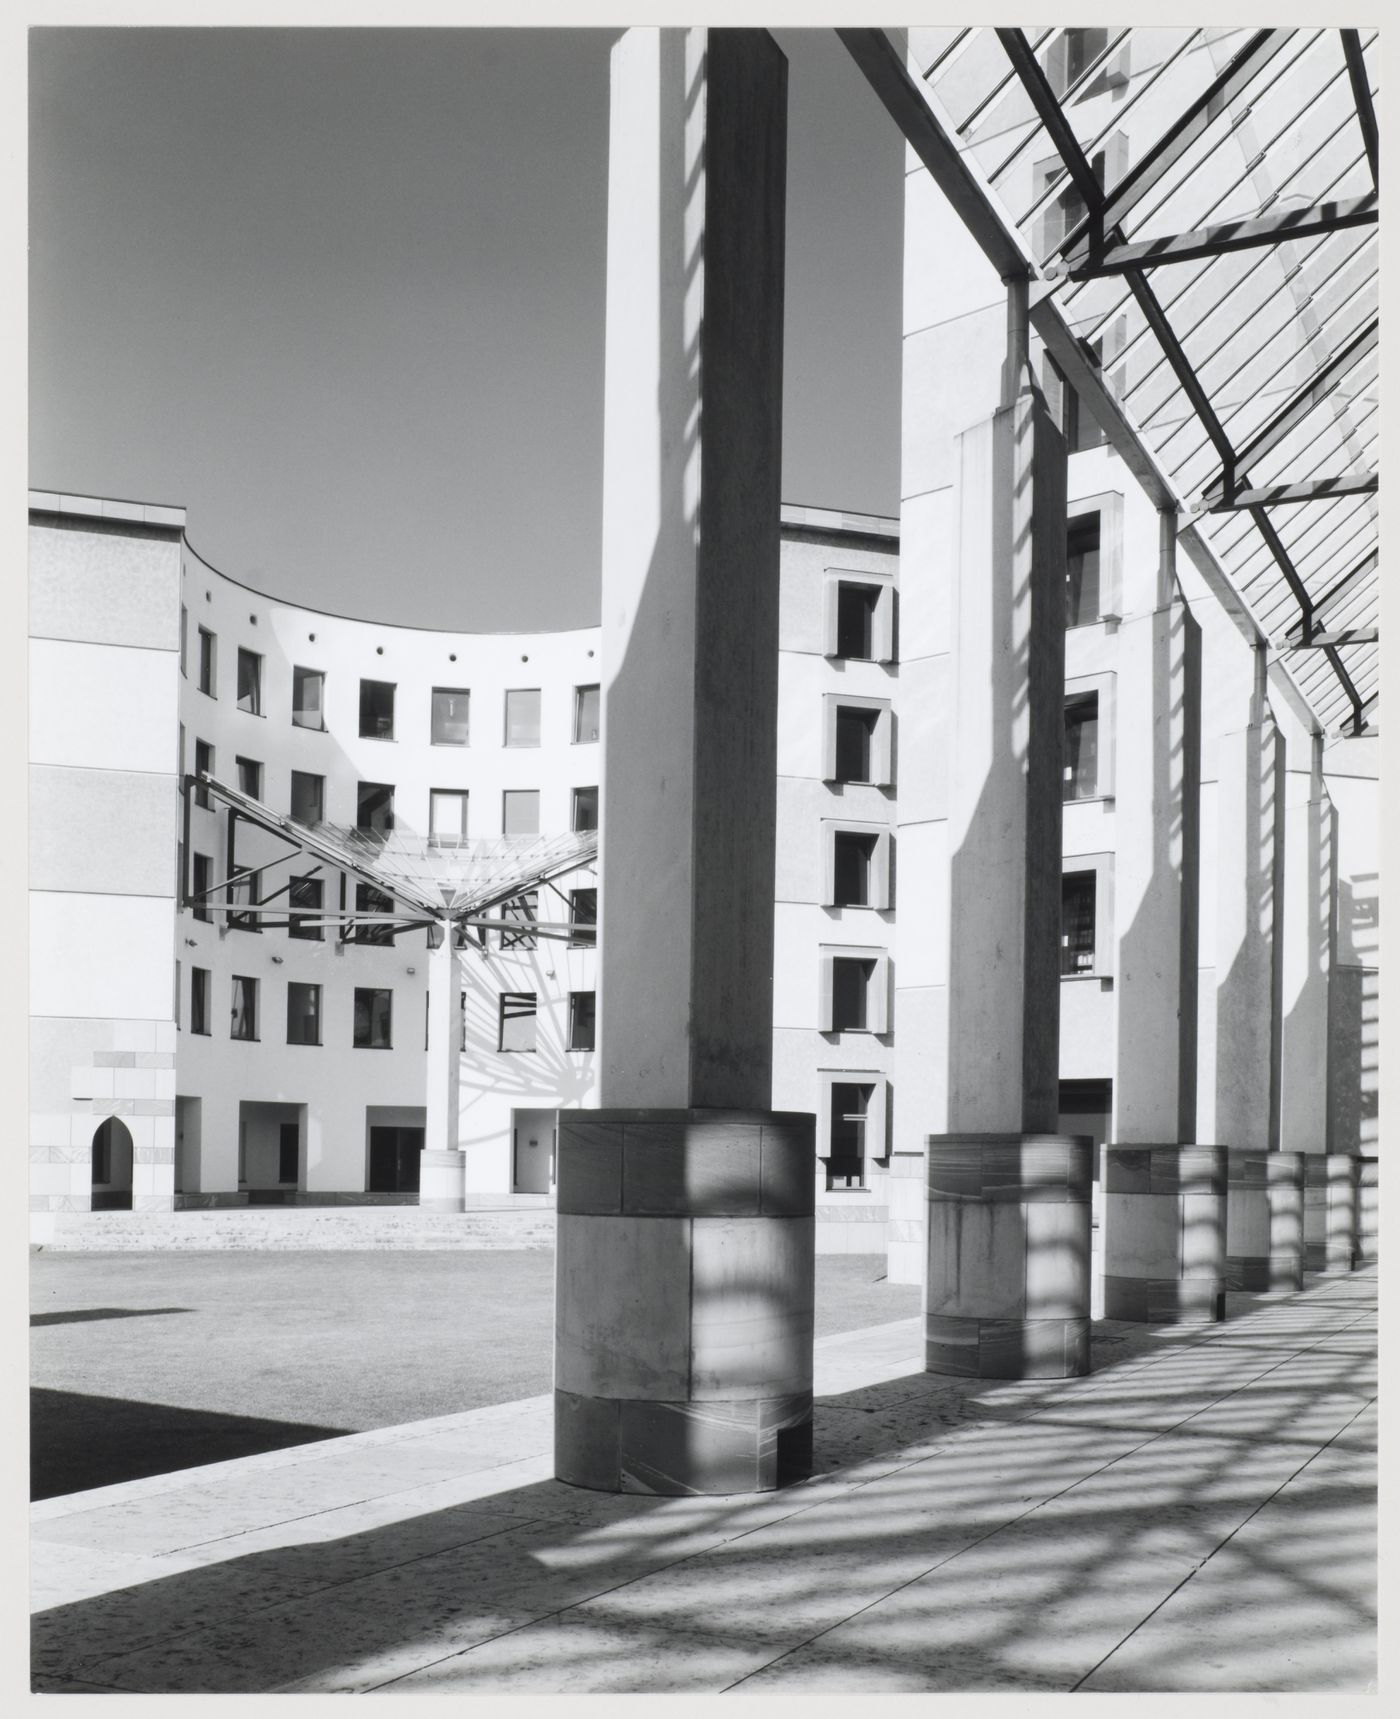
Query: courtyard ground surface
{"points": [[144, 1363], [1197, 1514]]}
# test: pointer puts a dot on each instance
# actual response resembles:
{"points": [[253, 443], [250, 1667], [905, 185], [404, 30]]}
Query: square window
{"points": [[855, 620], [1081, 764], [1077, 922], [447, 816], [517, 1022], [200, 885], [374, 1019], [249, 777], [520, 812], [376, 710], [249, 682], [583, 1014], [243, 1021], [308, 698], [587, 710], [368, 899], [585, 809], [374, 807], [523, 717], [208, 652], [308, 894], [308, 797], [199, 1000], [583, 915], [854, 993], [451, 714], [853, 861], [1082, 571], [303, 1018], [525, 909], [203, 766]]}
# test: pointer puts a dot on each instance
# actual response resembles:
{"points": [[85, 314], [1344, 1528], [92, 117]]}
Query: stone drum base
{"points": [[1264, 1221], [1164, 1233], [442, 1181], [1368, 1177], [1008, 1256], [683, 1300], [1329, 1211]]}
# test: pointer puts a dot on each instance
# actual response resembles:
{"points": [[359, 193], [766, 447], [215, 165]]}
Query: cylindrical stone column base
{"points": [[1329, 1211], [683, 1300], [1264, 1221], [1008, 1256], [442, 1181], [1368, 1174], [905, 1248], [1164, 1233]]}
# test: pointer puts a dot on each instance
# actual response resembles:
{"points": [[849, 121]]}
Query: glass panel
{"points": [[308, 697], [1077, 923], [850, 988], [203, 766], [374, 807], [447, 815], [199, 886], [307, 893], [585, 809], [850, 1106], [1082, 572], [517, 1021], [853, 856], [368, 899], [855, 733], [583, 911], [451, 711], [249, 777], [521, 812], [376, 710], [525, 909], [303, 1018], [308, 797], [199, 1000], [206, 661], [249, 682], [523, 717], [1082, 748], [582, 1019], [855, 621], [373, 1018], [243, 1021], [586, 713]]}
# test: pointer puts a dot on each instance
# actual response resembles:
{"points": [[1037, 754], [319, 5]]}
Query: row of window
{"points": [[451, 705], [374, 1015]]}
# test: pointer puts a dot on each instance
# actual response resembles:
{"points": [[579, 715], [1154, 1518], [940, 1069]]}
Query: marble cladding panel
{"points": [[1058, 1239], [586, 1451], [675, 1168], [976, 1259], [751, 1318], [589, 1171], [1007, 1348], [1164, 1300], [1202, 1235], [787, 1183], [153, 1202], [1009, 1167], [691, 1163], [1142, 1235], [1168, 1169], [1367, 1210], [684, 1448], [1247, 1220], [622, 1306]]}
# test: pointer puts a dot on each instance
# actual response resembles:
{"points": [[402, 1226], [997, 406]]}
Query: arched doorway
{"points": [[111, 1166]]}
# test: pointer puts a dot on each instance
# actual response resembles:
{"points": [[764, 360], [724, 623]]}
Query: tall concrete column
{"points": [[443, 1173], [1309, 908], [1248, 912], [685, 1202], [1157, 779]]}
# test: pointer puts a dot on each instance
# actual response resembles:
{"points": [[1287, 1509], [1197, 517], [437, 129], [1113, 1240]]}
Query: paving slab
{"points": [[1197, 1514]]}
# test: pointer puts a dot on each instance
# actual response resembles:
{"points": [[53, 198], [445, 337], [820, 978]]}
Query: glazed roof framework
{"points": [[1211, 289]]}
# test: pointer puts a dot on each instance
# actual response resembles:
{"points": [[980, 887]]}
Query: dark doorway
{"points": [[395, 1160], [288, 1152], [111, 1166]]}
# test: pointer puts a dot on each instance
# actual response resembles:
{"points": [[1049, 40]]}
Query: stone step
{"points": [[299, 1228]]}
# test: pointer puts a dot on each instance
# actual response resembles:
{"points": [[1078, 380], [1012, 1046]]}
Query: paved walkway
{"points": [[1199, 1514]]}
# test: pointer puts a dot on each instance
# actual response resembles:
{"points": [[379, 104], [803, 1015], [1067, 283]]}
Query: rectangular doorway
{"points": [[532, 1155], [395, 1159]]}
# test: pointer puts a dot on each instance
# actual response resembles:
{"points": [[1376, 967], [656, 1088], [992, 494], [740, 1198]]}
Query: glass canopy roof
{"points": [[1204, 204]]}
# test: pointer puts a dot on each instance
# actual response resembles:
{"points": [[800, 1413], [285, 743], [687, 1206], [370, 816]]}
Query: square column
{"points": [[1309, 913], [683, 1352], [442, 1180]]}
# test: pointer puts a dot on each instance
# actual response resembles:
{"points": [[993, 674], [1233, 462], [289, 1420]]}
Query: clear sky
{"points": [[340, 294]]}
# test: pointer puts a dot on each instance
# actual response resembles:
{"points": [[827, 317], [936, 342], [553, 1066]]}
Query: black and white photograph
{"points": [[702, 718]]}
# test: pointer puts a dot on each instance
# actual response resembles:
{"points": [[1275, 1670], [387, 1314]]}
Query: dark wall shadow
{"points": [[81, 1315], [77, 1442]]}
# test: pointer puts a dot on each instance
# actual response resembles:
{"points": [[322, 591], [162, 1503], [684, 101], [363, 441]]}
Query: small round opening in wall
{"points": [[379, 650], [452, 656], [252, 620], [311, 637], [590, 653], [524, 659]]}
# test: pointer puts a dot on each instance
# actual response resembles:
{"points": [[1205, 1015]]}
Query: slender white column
{"points": [[1309, 907], [444, 1044]]}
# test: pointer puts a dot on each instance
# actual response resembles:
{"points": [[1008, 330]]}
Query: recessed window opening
{"points": [[243, 892], [303, 1020], [308, 797], [308, 698], [307, 893], [289, 1149], [368, 899], [1081, 49], [855, 621], [1077, 923], [850, 993], [447, 817], [1082, 571], [374, 1018], [374, 807], [208, 649], [203, 766], [520, 812], [243, 1018], [853, 864], [583, 1013], [850, 1110], [523, 717], [249, 682], [376, 710], [585, 809], [517, 1021], [200, 883], [249, 777], [199, 1001], [184, 640], [524, 910], [855, 743], [583, 915], [451, 716], [1081, 764], [586, 714]]}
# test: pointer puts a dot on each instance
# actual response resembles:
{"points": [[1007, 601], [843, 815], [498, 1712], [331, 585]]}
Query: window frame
{"points": [[200, 983], [251, 997], [579, 938], [877, 1117], [575, 1014], [315, 932], [207, 677], [300, 675], [316, 1015], [205, 768], [882, 620], [508, 694], [307, 776], [367, 1043], [242, 764], [881, 874], [1109, 507], [372, 936], [507, 794], [443, 839], [504, 997], [201, 882], [253, 706], [1100, 866], [877, 991], [579, 737], [448, 692], [387, 827], [528, 905], [393, 688], [575, 826], [881, 774]]}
